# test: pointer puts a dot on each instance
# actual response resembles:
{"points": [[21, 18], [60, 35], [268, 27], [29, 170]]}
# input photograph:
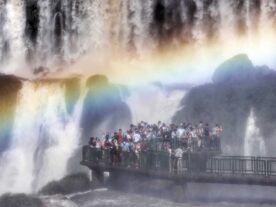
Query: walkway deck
{"points": [[199, 168]]}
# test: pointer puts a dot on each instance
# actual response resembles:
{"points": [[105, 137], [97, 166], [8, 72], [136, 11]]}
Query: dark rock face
{"points": [[230, 98], [72, 93], [237, 68], [226, 105], [19, 200], [41, 70], [103, 102], [70, 184], [9, 88]]}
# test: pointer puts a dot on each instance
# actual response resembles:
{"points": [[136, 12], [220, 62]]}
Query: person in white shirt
{"points": [[178, 153], [136, 137], [180, 131]]}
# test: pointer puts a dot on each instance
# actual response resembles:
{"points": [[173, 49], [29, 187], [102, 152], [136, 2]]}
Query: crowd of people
{"points": [[173, 139]]}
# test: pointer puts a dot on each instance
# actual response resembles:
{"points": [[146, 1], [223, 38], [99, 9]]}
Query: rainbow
{"points": [[192, 63], [188, 63]]}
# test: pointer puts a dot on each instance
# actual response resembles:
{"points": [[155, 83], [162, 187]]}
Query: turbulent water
{"points": [[200, 195], [44, 137]]}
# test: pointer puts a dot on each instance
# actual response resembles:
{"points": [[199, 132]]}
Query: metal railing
{"points": [[191, 144], [234, 165], [190, 162]]}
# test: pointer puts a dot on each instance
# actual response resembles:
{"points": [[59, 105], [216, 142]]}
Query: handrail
{"points": [[197, 162]]}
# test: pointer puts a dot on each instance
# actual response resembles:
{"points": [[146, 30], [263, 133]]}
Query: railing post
{"points": [[265, 167], [220, 166], [211, 162], [97, 177], [268, 168], [232, 165], [243, 166], [188, 162], [257, 166], [86, 154]]}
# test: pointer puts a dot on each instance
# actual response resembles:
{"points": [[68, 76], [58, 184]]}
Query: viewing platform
{"points": [[199, 167]]}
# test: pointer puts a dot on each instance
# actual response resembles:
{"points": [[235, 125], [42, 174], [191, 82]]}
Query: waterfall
{"points": [[153, 103], [13, 34], [3, 44], [43, 139], [44, 31], [254, 144], [57, 33]]}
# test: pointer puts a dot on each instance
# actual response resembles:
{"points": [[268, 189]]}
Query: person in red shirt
{"points": [[120, 137], [218, 132]]}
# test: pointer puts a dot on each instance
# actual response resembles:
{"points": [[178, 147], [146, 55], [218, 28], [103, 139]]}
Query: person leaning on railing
{"points": [[156, 137], [178, 154], [94, 152], [115, 154], [218, 132], [206, 134], [125, 147]]}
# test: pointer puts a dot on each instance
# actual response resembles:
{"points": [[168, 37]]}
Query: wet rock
{"points": [[238, 87], [9, 88], [70, 184], [41, 70], [20, 200], [238, 68]]}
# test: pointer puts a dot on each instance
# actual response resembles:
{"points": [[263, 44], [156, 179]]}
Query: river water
{"points": [[199, 195]]}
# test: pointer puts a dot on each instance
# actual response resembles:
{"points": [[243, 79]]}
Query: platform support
{"points": [[179, 192], [97, 177]]}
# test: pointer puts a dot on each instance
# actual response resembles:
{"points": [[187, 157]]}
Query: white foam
{"points": [[153, 103], [254, 144], [44, 137]]}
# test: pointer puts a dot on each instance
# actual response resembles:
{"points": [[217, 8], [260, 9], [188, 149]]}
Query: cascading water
{"points": [[44, 138], [57, 33], [13, 34], [254, 144], [154, 103]]}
